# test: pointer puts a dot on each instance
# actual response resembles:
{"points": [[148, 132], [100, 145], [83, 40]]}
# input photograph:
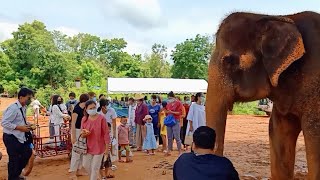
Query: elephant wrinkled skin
{"points": [[278, 57]]}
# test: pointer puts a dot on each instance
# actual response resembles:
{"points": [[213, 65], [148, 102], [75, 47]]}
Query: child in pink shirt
{"points": [[123, 139]]}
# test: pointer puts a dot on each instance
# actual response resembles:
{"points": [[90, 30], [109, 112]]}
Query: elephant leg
{"points": [[311, 131], [283, 134]]}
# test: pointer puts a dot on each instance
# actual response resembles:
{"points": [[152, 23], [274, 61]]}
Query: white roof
{"points": [[156, 85]]}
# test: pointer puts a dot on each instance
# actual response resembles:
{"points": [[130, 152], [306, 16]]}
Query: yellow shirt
{"points": [[162, 116]]}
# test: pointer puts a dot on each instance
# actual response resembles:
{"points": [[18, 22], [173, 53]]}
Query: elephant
{"points": [[277, 57]]}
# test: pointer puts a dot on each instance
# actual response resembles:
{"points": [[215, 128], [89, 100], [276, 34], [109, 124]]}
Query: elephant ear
{"points": [[281, 45]]}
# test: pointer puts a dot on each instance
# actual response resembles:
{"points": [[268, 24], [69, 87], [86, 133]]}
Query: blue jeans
{"points": [[174, 131]]}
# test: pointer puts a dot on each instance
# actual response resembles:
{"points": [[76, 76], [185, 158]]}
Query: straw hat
{"points": [[138, 96], [147, 117]]}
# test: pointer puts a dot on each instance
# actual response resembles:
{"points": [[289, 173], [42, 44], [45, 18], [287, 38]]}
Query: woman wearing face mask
{"points": [[56, 115], [109, 113], [77, 115], [175, 108], [94, 128], [196, 116]]}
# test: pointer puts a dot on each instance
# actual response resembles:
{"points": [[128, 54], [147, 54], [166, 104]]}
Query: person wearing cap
{"points": [[202, 163], [141, 112], [150, 142]]}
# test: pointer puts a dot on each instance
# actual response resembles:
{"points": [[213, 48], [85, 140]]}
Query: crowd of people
{"points": [[98, 141]]}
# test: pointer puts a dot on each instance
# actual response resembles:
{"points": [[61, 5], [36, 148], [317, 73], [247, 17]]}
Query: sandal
{"points": [[73, 177], [129, 161], [81, 173], [110, 176], [121, 161], [167, 154]]}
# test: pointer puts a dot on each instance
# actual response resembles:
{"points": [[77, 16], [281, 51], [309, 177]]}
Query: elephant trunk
{"points": [[217, 107]]}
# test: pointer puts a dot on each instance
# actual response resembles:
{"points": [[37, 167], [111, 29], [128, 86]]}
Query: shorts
{"points": [[106, 163], [122, 147]]}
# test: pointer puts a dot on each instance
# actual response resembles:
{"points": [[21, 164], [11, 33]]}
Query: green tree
{"points": [[34, 57], [130, 65], [113, 50], [61, 41], [86, 45], [155, 64], [191, 58], [6, 72], [91, 74]]}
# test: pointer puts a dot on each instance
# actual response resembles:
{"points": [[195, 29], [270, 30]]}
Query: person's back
{"points": [[203, 164], [207, 166]]}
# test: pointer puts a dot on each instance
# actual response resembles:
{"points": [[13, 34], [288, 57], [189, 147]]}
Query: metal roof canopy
{"points": [[156, 85]]}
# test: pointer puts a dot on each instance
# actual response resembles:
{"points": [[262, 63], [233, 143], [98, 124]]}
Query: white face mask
{"points": [[92, 112]]}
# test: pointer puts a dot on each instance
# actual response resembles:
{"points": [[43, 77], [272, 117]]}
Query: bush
{"points": [[11, 87], [249, 108]]}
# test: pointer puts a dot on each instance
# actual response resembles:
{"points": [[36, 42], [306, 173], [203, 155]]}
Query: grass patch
{"points": [[248, 108]]}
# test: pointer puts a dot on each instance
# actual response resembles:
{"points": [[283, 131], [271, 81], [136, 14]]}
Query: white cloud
{"points": [[134, 47], [67, 31], [6, 29], [177, 31], [143, 14], [181, 29]]}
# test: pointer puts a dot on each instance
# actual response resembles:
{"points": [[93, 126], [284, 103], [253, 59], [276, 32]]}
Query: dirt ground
{"points": [[246, 146]]}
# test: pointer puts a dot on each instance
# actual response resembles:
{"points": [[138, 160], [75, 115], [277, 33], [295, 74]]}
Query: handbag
{"points": [[170, 121], [189, 138], [80, 146]]}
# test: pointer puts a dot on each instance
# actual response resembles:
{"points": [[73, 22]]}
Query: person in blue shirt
{"points": [[15, 127], [154, 109], [202, 163]]}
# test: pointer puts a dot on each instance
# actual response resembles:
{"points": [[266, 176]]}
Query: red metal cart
{"points": [[48, 146]]}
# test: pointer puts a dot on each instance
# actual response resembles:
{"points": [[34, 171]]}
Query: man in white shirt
{"points": [[35, 104], [15, 128], [131, 123]]}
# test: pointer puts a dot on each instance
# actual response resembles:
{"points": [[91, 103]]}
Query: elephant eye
{"points": [[231, 60]]}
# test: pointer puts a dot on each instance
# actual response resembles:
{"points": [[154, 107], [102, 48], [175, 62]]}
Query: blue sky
{"points": [[140, 22]]}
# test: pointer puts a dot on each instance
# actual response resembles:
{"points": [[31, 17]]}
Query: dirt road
{"points": [[246, 145]]}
